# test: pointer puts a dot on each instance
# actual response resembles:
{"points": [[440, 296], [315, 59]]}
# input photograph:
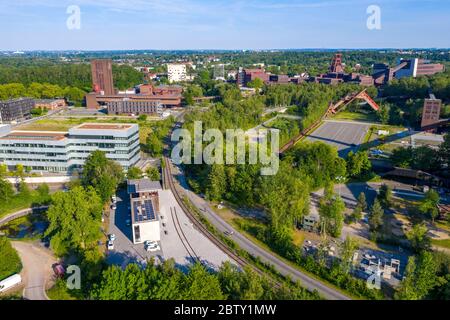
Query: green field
{"points": [[64, 125], [442, 243], [355, 116]]}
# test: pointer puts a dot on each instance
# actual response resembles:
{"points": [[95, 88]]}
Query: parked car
{"points": [[110, 245], [151, 246], [114, 199], [112, 237], [59, 270], [113, 207], [128, 222]]}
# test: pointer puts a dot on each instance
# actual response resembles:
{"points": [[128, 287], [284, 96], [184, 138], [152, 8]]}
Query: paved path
{"points": [[19, 214], [37, 269]]}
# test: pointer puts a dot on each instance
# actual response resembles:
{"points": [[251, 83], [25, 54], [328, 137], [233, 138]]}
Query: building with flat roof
{"points": [[102, 77], [65, 152], [431, 111], [134, 106], [418, 67], [16, 109], [50, 104], [176, 72], [144, 205]]}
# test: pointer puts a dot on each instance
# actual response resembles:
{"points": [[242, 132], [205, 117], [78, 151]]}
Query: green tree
{"points": [[285, 195], [358, 164], [134, 173], [419, 238], [216, 182], [383, 114], [102, 174], [6, 190], [444, 150], [357, 213], [3, 170], [10, 261], [429, 204], [402, 157], [153, 174], [154, 145], [74, 220], [347, 249], [385, 195], [362, 202], [376, 215], [331, 211], [420, 277], [142, 117], [256, 83], [201, 285], [19, 171]]}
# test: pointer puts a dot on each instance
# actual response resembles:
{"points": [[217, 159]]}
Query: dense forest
{"points": [[166, 282], [50, 79]]}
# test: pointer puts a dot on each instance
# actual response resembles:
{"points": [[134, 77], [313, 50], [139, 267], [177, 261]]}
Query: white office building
{"points": [[144, 205], [64, 152], [176, 72]]}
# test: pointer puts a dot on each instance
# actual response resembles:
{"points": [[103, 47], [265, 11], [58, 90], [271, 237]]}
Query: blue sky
{"points": [[222, 24]]}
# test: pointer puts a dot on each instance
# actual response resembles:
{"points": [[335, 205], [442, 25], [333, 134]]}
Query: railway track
{"points": [[182, 235], [168, 182]]}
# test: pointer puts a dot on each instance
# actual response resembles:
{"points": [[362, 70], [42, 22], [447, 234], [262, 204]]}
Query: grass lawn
{"points": [[19, 202], [356, 116], [441, 243], [60, 292], [65, 124]]}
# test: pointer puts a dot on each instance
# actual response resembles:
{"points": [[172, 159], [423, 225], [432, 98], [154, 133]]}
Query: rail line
{"points": [[168, 181], [182, 235]]}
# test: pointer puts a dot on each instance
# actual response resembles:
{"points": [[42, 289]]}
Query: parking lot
{"points": [[125, 251], [346, 136]]}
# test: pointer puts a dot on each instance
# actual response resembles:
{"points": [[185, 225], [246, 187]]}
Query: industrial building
{"points": [[336, 74], [144, 206], [135, 105], [244, 76], [16, 109], [102, 77], [64, 152], [383, 74], [50, 104], [418, 67], [176, 72], [145, 99], [431, 111]]}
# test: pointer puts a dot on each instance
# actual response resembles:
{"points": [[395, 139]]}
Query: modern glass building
{"points": [[67, 151]]}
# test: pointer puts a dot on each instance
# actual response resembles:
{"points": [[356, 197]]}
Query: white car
{"points": [[114, 199], [112, 237], [151, 246], [110, 245]]}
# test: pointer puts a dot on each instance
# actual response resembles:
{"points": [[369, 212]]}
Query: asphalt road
{"points": [[345, 136], [37, 269], [265, 256]]}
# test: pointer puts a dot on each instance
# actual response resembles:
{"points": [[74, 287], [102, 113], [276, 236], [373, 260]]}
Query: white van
{"points": [[10, 282]]}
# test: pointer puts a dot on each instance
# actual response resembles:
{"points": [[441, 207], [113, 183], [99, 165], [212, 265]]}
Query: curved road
{"points": [[37, 269], [283, 268]]}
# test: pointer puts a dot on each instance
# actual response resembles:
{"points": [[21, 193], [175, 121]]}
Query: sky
{"points": [[222, 24]]}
